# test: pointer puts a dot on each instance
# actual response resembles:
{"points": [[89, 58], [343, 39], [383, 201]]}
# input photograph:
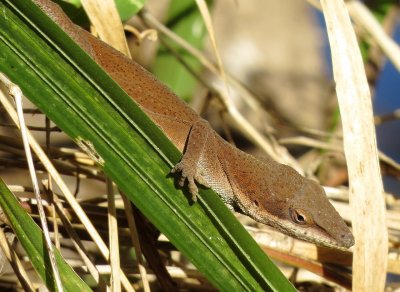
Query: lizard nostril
{"points": [[256, 203]]}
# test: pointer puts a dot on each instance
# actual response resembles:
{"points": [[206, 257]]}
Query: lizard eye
{"points": [[300, 216]]}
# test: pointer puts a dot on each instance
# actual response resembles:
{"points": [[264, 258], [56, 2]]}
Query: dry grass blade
{"points": [[65, 191], [366, 190], [207, 20], [50, 184], [241, 121], [364, 18], [16, 264], [306, 141], [76, 240], [269, 145], [16, 92], [150, 34], [135, 241], [112, 31], [310, 142], [113, 238]]}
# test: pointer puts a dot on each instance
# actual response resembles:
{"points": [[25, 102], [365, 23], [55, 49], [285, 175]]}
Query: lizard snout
{"points": [[347, 239]]}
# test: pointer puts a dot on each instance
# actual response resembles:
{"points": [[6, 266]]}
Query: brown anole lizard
{"points": [[268, 192]]}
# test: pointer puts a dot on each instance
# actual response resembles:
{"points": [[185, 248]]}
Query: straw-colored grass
{"points": [[366, 211]]}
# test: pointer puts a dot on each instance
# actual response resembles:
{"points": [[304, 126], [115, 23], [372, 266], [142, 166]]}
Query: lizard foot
{"points": [[188, 173]]}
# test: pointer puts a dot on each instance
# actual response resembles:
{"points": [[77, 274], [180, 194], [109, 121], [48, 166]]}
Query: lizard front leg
{"points": [[195, 149]]}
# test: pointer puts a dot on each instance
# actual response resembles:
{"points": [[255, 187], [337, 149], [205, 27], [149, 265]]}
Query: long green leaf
{"points": [[75, 11], [73, 91], [32, 239], [185, 20]]}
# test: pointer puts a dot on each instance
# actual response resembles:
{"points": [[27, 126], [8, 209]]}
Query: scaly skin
{"points": [[268, 192]]}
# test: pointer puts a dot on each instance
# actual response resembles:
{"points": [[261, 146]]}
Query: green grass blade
{"points": [[185, 20], [32, 239], [72, 90], [75, 11]]}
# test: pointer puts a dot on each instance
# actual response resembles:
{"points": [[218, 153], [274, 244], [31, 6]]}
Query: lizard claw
{"points": [[187, 174]]}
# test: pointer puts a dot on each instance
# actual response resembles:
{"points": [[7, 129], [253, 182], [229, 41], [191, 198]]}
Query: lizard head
{"points": [[298, 207]]}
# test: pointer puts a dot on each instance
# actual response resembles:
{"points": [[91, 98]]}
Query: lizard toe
{"points": [[193, 189], [188, 175], [177, 168], [182, 181]]}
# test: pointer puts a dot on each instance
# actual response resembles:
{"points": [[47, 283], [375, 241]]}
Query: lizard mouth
{"points": [[323, 238], [319, 235], [314, 234]]}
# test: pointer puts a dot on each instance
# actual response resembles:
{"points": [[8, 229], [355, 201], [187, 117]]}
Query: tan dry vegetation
{"points": [[289, 104]]}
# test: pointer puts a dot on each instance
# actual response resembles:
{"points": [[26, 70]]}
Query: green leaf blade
{"points": [[65, 83], [32, 239]]}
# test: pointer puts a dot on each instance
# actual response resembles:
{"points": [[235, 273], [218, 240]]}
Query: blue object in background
{"points": [[386, 100]]}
